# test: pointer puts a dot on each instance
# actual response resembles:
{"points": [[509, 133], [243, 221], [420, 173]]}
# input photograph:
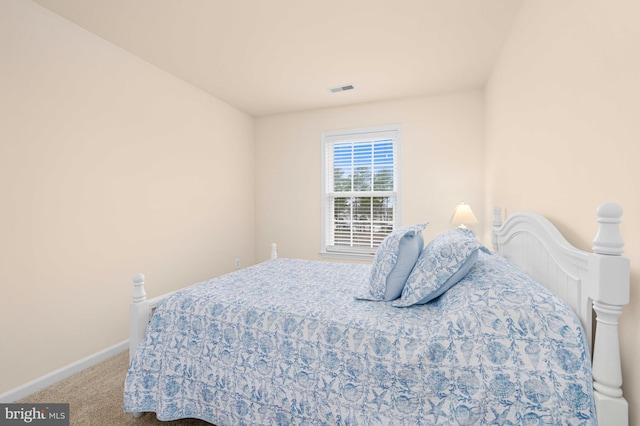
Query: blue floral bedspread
{"points": [[285, 342]]}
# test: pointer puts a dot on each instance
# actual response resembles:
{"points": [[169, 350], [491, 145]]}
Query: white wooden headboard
{"points": [[590, 282]]}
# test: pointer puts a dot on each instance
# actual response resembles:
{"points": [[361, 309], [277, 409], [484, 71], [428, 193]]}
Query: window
{"points": [[360, 190]]}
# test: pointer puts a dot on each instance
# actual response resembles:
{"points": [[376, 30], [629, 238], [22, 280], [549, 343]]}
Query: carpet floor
{"points": [[95, 397]]}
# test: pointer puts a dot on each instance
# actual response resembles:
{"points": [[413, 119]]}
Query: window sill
{"points": [[347, 256]]}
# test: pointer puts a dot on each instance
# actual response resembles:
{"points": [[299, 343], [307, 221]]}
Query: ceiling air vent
{"points": [[341, 88]]}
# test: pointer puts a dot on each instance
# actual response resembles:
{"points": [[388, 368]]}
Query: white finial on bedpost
{"points": [[608, 239], [139, 295], [611, 293], [497, 223], [274, 252]]}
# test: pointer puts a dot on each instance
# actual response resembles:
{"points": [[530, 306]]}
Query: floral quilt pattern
{"points": [[285, 343]]}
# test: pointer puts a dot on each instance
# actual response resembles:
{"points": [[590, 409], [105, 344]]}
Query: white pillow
{"points": [[393, 262], [442, 264]]}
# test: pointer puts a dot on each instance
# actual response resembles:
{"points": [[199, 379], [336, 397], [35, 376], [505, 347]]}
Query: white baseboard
{"points": [[62, 373]]}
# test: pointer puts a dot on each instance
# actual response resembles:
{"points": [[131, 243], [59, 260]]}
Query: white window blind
{"points": [[360, 196]]}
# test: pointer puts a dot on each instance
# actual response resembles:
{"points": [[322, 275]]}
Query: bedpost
{"points": [[274, 251], [138, 314], [611, 292], [497, 223]]}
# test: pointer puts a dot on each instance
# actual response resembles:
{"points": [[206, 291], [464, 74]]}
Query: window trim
{"points": [[329, 137]]}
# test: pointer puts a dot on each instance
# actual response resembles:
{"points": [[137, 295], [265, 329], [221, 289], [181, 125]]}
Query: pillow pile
{"points": [[393, 262], [444, 262]]}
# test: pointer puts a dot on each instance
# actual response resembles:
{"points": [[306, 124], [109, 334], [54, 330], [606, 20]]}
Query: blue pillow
{"points": [[393, 262], [441, 265]]}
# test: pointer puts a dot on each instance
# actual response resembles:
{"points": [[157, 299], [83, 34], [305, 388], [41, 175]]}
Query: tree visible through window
{"points": [[361, 189]]}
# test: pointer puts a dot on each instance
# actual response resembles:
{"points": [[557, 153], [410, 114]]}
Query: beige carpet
{"points": [[95, 397]]}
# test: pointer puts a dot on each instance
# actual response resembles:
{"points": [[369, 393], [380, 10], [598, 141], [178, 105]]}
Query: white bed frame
{"points": [[595, 284]]}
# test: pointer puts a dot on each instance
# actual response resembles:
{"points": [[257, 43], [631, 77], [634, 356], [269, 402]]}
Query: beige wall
{"points": [[108, 167], [563, 131], [441, 162]]}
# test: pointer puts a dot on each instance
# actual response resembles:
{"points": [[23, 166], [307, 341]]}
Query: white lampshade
{"points": [[463, 215]]}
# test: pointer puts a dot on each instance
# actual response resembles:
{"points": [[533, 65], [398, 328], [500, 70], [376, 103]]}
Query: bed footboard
{"points": [[140, 312], [141, 309]]}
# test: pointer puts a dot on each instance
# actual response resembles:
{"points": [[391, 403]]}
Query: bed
{"points": [[527, 334]]}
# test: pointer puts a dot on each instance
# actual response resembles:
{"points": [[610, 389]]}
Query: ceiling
{"points": [[271, 56]]}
